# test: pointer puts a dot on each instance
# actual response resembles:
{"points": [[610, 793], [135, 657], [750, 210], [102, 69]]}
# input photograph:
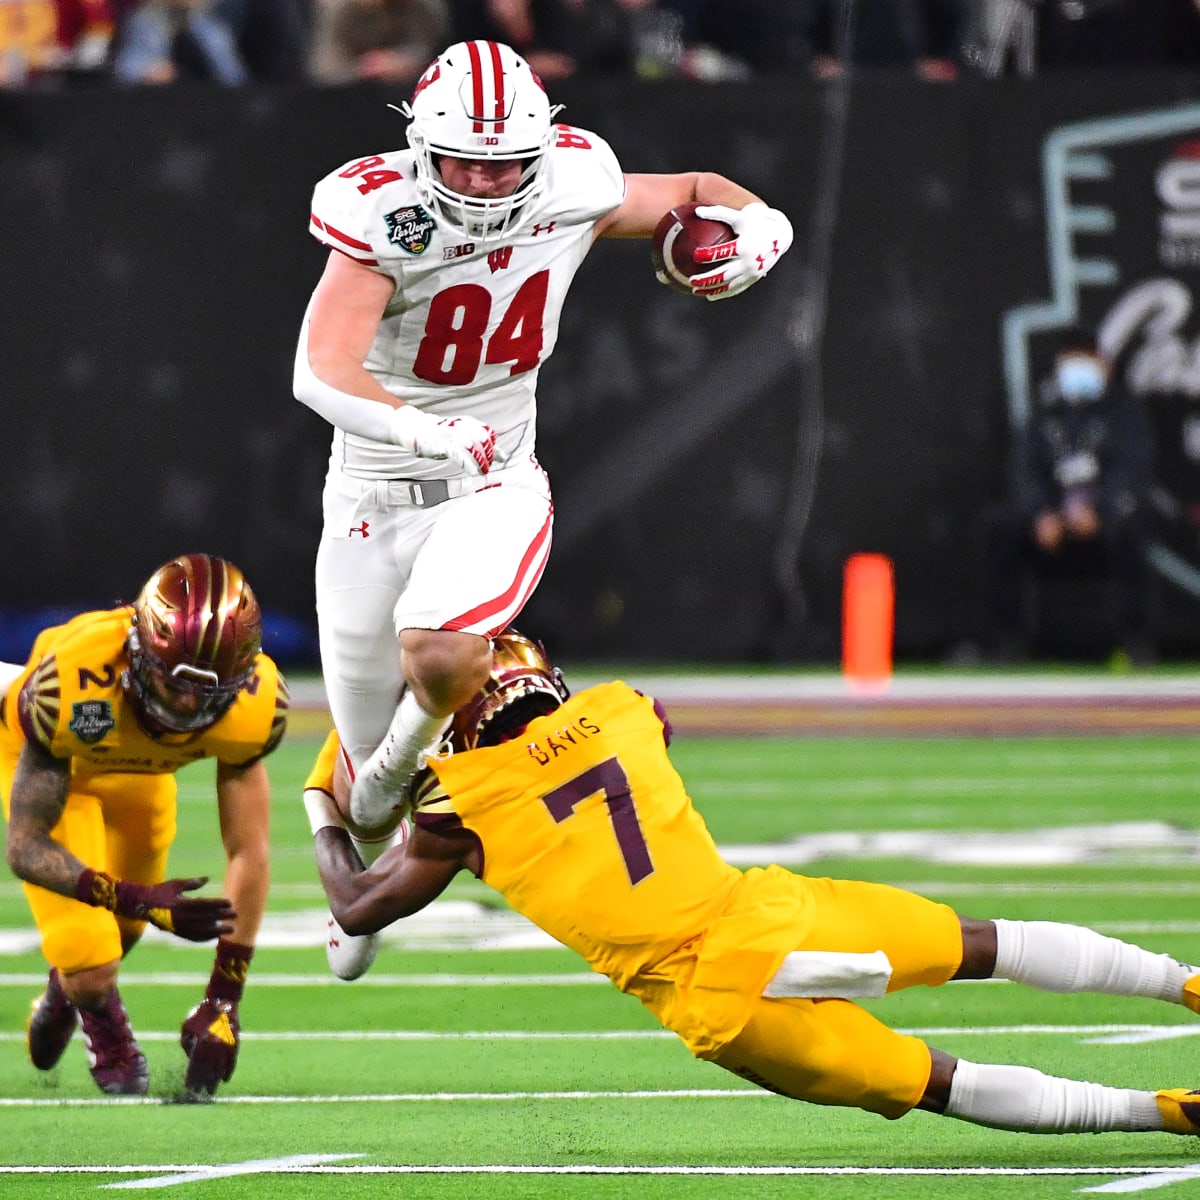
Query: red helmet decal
{"points": [[432, 72]]}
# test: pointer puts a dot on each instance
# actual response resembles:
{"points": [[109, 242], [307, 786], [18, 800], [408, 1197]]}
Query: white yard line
{"points": [[256, 1166], [1092, 1034], [189, 1173]]}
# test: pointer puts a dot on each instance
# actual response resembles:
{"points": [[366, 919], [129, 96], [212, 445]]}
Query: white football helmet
{"points": [[480, 100]]}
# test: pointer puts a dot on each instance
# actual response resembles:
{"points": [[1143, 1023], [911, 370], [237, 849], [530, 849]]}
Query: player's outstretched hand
{"points": [[763, 238], [468, 443], [163, 905], [210, 1038]]}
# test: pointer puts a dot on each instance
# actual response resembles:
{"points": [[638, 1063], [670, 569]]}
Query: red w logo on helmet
{"points": [[431, 73]]}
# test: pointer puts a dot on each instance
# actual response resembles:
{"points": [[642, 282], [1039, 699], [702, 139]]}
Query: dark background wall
{"points": [[713, 463]]}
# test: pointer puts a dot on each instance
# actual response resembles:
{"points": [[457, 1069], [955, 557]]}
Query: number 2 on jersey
{"points": [[453, 345], [607, 777]]}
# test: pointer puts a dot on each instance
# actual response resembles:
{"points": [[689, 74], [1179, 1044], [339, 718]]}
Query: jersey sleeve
{"points": [[587, 181], [39, 704], [349, 205], [252, 731]]}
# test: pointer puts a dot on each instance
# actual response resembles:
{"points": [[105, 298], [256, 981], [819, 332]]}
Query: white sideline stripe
{"points": [[1096, 1034], [189, 1173]]}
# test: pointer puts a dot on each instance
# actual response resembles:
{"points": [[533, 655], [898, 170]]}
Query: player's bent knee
{"points": [[446, 666], [81, 942]]}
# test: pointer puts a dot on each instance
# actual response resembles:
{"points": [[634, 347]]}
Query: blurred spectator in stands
{"points": [[1081, 471], [924, 36], [388, 40], [155, 34], [561, 38], [275, 38], [726, 40], [41, 41], [1024, 37], [1104, 33]]}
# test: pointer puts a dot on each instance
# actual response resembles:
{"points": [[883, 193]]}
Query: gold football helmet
{"points": [[524, 684], [196, 632]]}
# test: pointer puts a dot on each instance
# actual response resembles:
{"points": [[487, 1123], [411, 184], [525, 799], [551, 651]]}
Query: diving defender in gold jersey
{"points": [[109, 706], [571, 809]]}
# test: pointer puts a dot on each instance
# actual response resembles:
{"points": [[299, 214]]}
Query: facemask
{"points": [[1080, 378]]}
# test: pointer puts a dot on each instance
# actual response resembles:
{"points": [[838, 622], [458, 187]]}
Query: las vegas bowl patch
{"points": [[409, 228]]}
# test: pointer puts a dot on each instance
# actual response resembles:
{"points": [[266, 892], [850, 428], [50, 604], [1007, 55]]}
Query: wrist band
{"points": [[229, 971], [322, 811]]}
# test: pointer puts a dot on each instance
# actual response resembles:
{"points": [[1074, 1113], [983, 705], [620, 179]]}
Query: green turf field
{"points": [[458, 1071]]}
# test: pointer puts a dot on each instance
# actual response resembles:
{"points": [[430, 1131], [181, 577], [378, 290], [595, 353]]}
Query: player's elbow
{"points": [[357, 920], [16, 854]]}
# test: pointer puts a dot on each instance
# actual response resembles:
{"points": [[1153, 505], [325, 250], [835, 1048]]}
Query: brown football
{"points": [[684, 245]]}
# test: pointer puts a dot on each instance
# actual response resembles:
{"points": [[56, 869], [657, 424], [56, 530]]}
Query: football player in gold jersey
{"points": [[571, 809], [109, 706]]}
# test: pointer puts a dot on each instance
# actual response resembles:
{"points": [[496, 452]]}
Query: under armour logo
{"points": [[540, 228], [363, 528], [499, 259]]}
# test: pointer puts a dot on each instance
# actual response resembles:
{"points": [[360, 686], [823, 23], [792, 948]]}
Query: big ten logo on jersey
{"points": [[1122, 210], [463, 250]]}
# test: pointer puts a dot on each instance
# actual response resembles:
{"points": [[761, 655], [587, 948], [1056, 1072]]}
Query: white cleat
{"points": [[373, 799], [349, 957]]}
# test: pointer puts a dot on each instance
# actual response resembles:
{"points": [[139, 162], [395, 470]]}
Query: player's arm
{"points": [[343, 319], [211, 1032], [244, 808], [400, 883], [39, 795], [648, 197], [335, 338], [762, 235]]}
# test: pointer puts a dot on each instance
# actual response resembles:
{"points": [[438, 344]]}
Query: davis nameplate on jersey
{"points": [[1122, 210], [409, 228], [91, 720]]}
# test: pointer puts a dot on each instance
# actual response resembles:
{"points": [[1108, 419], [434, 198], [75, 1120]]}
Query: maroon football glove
{"points": [[210, 1036], [162, 904]]}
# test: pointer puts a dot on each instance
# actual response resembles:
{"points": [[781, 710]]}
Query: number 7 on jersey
{"points": [[609, 778]]}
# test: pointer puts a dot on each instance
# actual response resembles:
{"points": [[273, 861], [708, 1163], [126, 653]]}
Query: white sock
{"points": [[379, 785], [1069, 958], [1025, 1100]]}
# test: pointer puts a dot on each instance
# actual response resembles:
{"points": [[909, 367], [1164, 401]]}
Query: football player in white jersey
{"points": [[448, 268]]}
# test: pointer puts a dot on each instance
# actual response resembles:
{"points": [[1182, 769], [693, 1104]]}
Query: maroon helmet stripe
{"points": [[476, 86], [204, 604]]}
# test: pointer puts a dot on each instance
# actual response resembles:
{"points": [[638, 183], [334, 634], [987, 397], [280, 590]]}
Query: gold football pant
{"points": [[834, 1051], [122, 824]]}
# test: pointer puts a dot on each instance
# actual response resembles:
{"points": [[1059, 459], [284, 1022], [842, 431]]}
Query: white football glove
{"points": [[763, 237], [468, 443]]}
